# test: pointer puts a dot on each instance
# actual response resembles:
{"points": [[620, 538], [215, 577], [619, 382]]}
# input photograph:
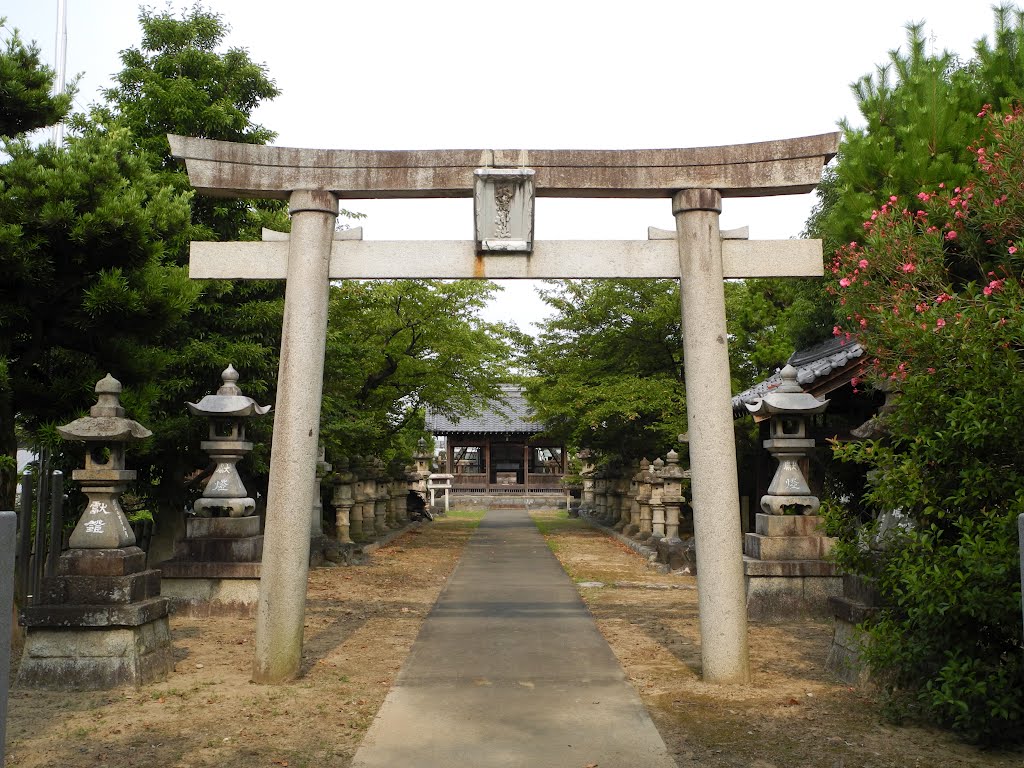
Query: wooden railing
{"points": [[476, 482]]}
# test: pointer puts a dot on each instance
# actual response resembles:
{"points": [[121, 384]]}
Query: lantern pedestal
{"points": [[786, 573], [102, 623], [216, 567]]}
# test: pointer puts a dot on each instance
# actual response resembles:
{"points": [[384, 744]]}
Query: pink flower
{"points": [[908, 267], [845, 282], [940, 323], [863, 323], [987, 290], [863, 263], [1012, 249], [951, 235]]}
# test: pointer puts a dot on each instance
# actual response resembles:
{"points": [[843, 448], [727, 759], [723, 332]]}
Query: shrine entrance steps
{"points": [[509, 669]]}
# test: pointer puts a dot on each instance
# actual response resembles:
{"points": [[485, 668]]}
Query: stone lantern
{"points": [[672, 497], [342, 500], [657, 503], [422, 457], [788, 407], [106, 432], [227, 411], [100, 621], [784, 565]]}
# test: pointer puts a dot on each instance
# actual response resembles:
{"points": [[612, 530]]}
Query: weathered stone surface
{"points": [[222, 527], [126, 615], [101, 562], [787, 166], [784, 598], [844, 662], [249, 549], [786, 547], [203, 597], [861, 589], [83, 659], [551, 259], [714, 479], [788, 525], [101, 590], [752, 567], [850, 611], [183, 569], [280, 615]]}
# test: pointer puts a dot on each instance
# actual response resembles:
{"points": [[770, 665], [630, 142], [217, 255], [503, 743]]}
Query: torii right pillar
{"points": [[715, 487]]}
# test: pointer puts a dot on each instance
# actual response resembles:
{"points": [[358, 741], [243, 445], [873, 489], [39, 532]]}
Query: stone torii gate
{"points": [[696, 180]]}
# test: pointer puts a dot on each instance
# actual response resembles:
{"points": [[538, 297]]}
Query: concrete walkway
{"points": [[509, 669]]}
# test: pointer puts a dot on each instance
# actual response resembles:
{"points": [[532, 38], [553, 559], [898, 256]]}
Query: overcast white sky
{"points": [[540, 74]]}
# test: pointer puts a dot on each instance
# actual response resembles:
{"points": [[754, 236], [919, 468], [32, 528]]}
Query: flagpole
{"points": [[60, 77]]}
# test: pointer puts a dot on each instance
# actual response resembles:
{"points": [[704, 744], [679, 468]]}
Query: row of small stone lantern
{"points": [[646, 504], [368, 502]]}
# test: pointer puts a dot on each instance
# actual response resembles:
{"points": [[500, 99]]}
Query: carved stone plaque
{"points": [[503, 209]]}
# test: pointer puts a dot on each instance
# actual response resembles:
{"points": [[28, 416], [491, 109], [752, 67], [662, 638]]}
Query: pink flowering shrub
{"points": [[935, 295]]}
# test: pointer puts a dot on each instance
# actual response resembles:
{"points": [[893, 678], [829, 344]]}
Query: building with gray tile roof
{"points": [[512, 416], [500, 449], [820, 369]]}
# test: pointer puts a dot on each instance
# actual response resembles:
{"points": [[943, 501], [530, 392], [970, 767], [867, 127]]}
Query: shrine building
{"points": [[499, 450]]}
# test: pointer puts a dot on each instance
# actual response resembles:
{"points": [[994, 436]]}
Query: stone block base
{"points": [[78, 659], [203, 597], [844, 662], [788, 590]]}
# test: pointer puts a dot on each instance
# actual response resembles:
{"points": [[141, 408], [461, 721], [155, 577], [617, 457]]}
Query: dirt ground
{"points": [[361, 622]]}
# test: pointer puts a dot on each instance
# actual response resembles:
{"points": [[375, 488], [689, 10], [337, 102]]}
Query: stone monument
{"points": [[101, 622]]}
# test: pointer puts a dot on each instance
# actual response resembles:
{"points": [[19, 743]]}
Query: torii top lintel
{"points": [[781, 167]]}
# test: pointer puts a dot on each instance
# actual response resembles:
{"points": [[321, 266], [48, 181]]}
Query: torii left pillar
{"points": [[280, 612]]}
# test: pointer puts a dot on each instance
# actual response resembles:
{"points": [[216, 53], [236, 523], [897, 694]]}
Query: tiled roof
{"points": [[512, 416], [814, 366]]}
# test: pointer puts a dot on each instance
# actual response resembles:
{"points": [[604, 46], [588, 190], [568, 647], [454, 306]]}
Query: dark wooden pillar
{"points": [[526, 466], [487, 462]]}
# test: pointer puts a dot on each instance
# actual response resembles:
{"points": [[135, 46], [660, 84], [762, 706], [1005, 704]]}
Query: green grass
{"points": [[462, 518], [554, 523], [466, 514]]}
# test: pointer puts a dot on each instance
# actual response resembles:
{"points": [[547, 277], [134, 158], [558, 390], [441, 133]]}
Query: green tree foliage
{"points": [[89, 287], [26, 102], [936, 295], [180, 81], [395, 347], [608, 364], [918, 114], [608, 367]]}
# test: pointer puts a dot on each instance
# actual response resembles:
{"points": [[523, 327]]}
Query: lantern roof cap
{"points": [[788, 398], [106, 421], [229, 400]]}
